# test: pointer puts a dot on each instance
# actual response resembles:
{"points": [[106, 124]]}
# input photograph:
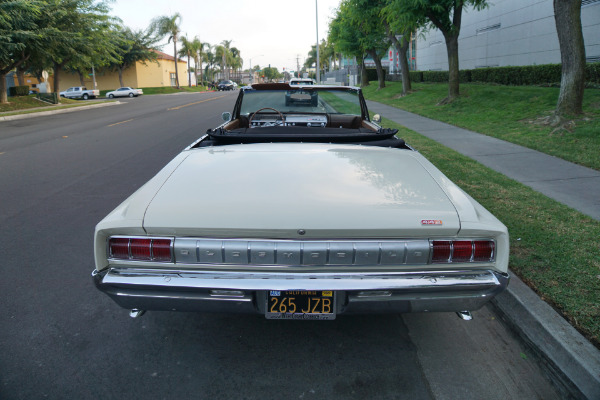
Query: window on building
{"points": [[173, 79]]}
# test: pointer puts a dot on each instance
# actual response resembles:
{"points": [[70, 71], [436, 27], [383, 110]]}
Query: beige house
{"points": [[157, 73]]}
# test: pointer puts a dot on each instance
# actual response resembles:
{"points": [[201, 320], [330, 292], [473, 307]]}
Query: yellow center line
{"points": [[122, 122], [2, 153], [198, 102]]}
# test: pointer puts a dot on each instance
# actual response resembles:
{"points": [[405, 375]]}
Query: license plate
{"points": [[300, 304]]}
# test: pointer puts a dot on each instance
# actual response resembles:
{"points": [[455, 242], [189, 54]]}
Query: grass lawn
{"points": [[505, 112], [554, 249], [24, 104]]}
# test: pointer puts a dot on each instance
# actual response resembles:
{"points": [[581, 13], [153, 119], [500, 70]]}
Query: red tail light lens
{"points": [[462, 251], [484, 250], [442, 250], [119, 248], [140, 249], [161, 249]]}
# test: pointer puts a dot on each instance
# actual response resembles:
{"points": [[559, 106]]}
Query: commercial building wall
{"points": [[509, 32]]}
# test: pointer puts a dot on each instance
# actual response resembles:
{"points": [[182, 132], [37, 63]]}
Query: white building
{"points": [[508, 33]]}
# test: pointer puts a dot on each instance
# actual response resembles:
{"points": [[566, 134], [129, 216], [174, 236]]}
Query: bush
{"points": [[592, 73], [526, 75], [416, 76], [18, 91]]}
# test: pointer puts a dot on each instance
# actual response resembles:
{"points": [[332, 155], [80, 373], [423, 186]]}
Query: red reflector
{"points": [[441, 251], [462, 251], [161, 249], [140, 249], [119, 248], [484, 250]]}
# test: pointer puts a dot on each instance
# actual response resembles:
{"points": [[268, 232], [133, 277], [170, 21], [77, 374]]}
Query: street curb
{"points": [[569, 357], [59, 111]]}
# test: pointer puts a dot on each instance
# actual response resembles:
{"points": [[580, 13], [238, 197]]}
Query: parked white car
{"points": [[125, 92], [305, 211], [80, 92]]}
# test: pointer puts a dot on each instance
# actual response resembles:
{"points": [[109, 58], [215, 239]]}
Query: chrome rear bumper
{"points": [[395, 292]]}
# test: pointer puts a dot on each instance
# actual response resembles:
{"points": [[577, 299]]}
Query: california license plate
{"points": [[300, 304]]}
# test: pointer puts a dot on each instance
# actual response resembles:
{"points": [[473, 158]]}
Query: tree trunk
{"points": [[201, 71], [363, 73], [81, 78], [378, 67], [120, 70], [3, 94], [402, 49], [56, 79], [21, 76], [176, 62], [567, 15], [189, 72], [453, 76]]}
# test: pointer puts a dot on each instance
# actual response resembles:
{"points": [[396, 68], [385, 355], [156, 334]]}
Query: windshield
{"points": [[302, 101]]}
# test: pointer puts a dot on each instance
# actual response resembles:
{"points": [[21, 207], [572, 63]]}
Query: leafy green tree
{"points": [[169, 26], [445, 15], [396, 24], [80, 36], [344, 39], [567, 14], [133, 46], [363, 16], [18, 29]]}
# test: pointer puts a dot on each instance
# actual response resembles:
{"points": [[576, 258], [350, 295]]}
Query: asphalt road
{"points": [[62, 339]]}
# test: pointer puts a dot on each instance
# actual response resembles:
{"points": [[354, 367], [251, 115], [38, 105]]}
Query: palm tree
{"points": [[223, 53], [236, 61], [164, 26], [186, 50]]}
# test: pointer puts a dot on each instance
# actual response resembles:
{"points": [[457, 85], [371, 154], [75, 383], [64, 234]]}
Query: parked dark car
{"points": [[226, 85]]}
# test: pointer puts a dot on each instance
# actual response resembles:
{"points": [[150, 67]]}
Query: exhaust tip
{"points": [[465, 315], [136, 313]]}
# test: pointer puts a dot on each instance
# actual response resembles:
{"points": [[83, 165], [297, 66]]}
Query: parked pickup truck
{"points": [[80, 92]]}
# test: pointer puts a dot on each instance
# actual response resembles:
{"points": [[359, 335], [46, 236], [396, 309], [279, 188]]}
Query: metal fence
{"points": [[347, 76], [48, 97]]}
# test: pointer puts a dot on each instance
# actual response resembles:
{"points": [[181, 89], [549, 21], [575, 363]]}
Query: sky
{"points": [[275, 32]]}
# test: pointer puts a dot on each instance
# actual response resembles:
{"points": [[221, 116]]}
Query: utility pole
{"points": [[298, 64], [318, 61]]}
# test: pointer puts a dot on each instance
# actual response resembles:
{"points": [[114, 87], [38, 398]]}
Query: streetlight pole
{"points": [[318, 61]]}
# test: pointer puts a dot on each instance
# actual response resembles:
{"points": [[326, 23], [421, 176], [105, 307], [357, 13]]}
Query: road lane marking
{"points": [[197, 102], [122, 122]]}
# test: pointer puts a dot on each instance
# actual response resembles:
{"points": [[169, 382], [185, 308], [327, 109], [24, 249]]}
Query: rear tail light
{"points": [[462, 251], [140, 249]]}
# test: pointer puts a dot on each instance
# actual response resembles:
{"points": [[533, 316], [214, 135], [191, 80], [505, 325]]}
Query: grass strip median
{"points": [[554, 249], [516, 114]]}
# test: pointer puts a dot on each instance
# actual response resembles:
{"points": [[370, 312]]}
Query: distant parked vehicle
{"points": [[80, 92], [125, 92], [226, 85]]}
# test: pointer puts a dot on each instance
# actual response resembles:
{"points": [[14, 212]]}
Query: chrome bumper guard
{"points": [[245, 292]]}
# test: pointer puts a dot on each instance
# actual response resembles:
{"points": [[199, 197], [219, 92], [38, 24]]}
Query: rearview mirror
{"points": [[226, 116]]}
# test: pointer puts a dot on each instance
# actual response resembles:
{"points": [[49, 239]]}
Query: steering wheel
{"points": [[265, 108]]}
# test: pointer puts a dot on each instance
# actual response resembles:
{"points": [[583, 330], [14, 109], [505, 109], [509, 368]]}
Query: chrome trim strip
{"points": [[261, 252], [252, 281]]}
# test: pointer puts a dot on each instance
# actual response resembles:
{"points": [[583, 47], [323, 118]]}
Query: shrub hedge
{"points": [[548, 74], [18, 90]]}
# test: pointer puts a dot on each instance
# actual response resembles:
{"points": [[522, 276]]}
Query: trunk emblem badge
{"points": [[431, 222]]}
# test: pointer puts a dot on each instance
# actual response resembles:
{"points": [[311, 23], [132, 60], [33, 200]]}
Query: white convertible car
{"points": [[301, 211]]}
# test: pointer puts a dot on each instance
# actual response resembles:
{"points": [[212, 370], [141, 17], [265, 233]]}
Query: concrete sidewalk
{"points": [[571, 184], [573, 362]]}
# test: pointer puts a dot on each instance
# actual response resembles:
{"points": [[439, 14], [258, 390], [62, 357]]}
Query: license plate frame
{"points": [[301, 304]]}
